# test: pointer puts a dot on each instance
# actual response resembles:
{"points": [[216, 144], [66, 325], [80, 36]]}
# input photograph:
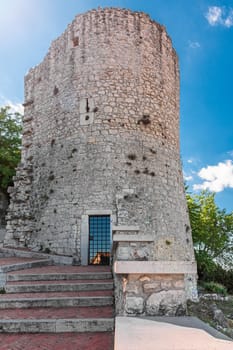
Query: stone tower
{"points": [[100, 177]]}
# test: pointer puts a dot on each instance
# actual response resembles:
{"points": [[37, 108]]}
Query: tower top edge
{"points": [[102, 14], [118, 10]]}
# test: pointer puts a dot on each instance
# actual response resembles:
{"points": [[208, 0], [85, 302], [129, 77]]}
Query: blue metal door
{"points": [[99, 240]]}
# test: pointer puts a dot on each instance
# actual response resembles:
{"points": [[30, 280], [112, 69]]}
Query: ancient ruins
{"points": [[100, 178]]}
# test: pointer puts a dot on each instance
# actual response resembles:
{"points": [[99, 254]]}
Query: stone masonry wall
{"points": [[152, 295], [101, 131], [4, 202]]}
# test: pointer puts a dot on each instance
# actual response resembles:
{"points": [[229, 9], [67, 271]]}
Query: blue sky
{"points": [[202, 34]]}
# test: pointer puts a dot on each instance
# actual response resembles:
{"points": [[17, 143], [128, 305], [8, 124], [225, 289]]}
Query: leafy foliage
{"points": [[220, 275], [212, 230], [215, 287], [10, 144]]}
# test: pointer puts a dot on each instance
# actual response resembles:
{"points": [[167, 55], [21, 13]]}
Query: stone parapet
{"points": [[155, 267], [151, 294]]}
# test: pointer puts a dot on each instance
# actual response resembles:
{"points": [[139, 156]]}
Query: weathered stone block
{"points": [[166, 285], [133, 287], [152, 287], [134, 305], [165, 303], [144, 279], [178, 284]]}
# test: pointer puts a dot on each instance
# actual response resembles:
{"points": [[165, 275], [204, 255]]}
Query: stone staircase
{"points": [[59, 299]]}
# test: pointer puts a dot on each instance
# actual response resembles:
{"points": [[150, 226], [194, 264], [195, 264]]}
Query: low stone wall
{"points": [[146, 294]]}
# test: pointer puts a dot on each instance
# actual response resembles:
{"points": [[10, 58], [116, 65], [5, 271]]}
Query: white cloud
{"points": [[229, 20], [217, 177], [194, 44], [190, 161], [230, 153], [214, 15], [187, 177], [217, 15], [14, 106]]}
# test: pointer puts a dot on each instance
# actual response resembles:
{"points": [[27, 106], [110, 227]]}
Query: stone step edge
{"points": [[57, 325], [37, 288], [25, 265], [55, 302], [56, 259], [59, 276], [45, 283], [20, 266]]}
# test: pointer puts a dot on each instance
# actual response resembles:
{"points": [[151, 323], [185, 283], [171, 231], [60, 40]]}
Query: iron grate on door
{"points": [[99, 240]]}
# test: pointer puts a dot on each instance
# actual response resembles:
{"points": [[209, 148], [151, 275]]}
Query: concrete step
{"points": [[14, 264], [16, 260], [57, 286], [72, 319], [66, 269], [57, 325], [76, 312], [90, 293], [57, 299], [55, 302], [55, 341], [58, 276], [27, 253]]}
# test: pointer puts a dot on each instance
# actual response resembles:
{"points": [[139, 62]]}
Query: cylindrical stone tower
{"points": [[100, 150]]}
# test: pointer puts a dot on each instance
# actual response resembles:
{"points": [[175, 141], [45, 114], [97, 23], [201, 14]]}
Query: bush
{"points": [[215, 287], [212, 231], [224, 277], [10, 145], [219, 275], [205, 266]]}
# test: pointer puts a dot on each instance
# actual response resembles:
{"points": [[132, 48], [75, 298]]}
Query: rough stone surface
{"points": [[219, 316], [169, 303], [214, 296], [4, 201], [152, 287], [134, 305], [151, 295]]}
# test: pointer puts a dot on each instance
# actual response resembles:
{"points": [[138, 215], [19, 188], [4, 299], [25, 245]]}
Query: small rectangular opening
{"points": [[75, 41]]}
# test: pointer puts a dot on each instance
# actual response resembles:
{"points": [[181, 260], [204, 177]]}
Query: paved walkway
{"points": [[147, 334]]}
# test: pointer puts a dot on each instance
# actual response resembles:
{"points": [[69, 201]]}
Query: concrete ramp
{"points": [[142, 334]]}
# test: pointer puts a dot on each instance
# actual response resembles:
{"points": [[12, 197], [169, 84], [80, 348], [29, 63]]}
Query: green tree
{"points": [[10, 145], [212, 230]]}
